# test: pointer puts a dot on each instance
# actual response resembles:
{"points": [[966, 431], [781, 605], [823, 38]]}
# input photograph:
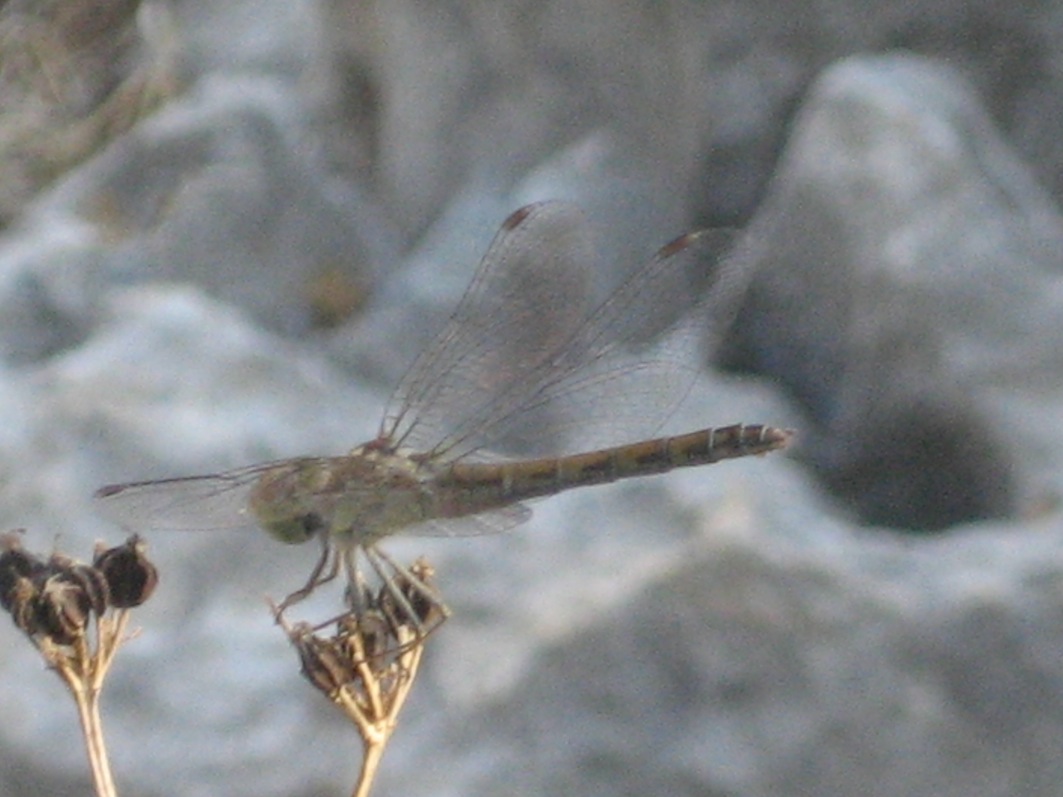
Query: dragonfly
{"points": [[523, 394]]}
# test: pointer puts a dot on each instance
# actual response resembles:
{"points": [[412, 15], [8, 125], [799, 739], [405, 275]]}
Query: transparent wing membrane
{"points": [[533, 375], [521, 366], [213, 501]]}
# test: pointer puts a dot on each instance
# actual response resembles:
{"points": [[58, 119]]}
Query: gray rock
{"points": [[910, 292], [727, 630], [169, 381], [626, 221], [216, 189], [423, 101]]}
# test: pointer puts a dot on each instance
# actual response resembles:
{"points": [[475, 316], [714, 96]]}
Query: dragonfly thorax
{"points": [[354, 499]]}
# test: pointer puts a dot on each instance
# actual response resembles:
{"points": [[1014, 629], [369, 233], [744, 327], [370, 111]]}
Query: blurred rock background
{"points": [[230, 225]]}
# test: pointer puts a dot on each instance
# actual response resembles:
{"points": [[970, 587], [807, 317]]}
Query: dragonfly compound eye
{"points": [[295, 529]]}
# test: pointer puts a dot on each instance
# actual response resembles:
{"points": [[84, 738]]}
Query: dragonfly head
{"points": [[286, 504]]}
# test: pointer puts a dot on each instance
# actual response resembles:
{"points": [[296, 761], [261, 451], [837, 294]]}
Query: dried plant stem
{"points": [[54, 600], [83, 674], [376, 711], [370, 763], [88, 704], [368, 665]]}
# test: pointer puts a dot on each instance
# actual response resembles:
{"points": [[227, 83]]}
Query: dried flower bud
{"points": [[322, 664], [15, 565], [89, 580], [62, 608], [364, 638], [22, 603], [130, 576], [425, 607]]}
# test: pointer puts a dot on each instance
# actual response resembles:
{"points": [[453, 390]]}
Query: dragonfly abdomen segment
{"points": [[476, 487]]}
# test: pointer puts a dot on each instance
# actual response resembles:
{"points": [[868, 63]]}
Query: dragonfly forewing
{"points": [[214, 501], [527, 299], [533, 376]]}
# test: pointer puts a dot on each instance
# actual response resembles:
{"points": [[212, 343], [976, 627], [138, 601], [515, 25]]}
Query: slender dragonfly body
{"points": [[519, 366]]}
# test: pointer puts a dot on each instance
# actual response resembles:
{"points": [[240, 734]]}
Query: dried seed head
{"points": [[434, 611], [365, 638], [322, 663], [16, 565], [425, 607], [62, 608], [423, 570], [22, 603], [91, 582], [131, 578]]}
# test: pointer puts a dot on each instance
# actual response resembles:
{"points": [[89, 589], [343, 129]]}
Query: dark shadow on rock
{"points": [[903, 291]]}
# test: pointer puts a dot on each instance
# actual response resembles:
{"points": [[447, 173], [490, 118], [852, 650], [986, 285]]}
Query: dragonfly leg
{"points": [[318, 576], [413, 601], [359, 597]]}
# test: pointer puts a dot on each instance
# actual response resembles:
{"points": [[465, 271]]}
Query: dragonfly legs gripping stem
{"points": [[402, 605], [406, 597], [318, 576]]}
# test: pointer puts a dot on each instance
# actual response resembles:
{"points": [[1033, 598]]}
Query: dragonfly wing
{"points": [[518, 368], [216, 501], [492, 522], [528, 297], [629, 366]]}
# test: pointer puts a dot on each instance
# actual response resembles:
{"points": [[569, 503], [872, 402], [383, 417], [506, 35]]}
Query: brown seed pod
{"points": [[131, 578], [22, 603], [322, 664], [62, 608], [366, 637], [92, 583], [15, 565]]}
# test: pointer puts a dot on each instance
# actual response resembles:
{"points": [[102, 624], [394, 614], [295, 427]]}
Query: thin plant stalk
{"points": [[83, 675], [376, 725], [368, 665], [75, 615]]}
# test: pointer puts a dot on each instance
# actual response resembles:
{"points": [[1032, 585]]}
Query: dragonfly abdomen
{"points": [[475, 487]]}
